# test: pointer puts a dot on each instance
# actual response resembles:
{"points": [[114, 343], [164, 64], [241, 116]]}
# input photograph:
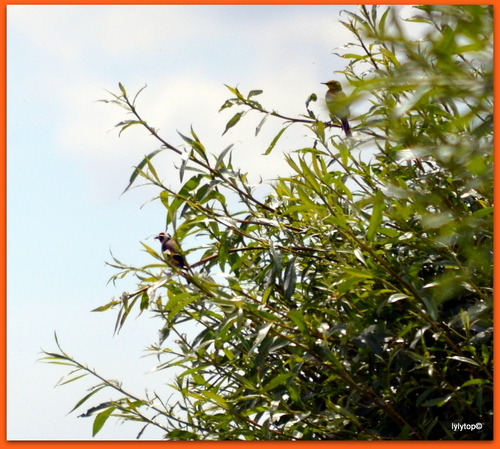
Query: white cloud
{"points": [[176, 51]]}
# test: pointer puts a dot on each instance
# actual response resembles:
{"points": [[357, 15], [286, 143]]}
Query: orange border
{"points": [[261, 445], [3, 226]]}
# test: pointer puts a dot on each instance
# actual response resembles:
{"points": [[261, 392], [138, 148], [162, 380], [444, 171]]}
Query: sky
{"points": [[67, 168]]}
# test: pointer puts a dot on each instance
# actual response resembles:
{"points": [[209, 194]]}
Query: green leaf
{"points": [[279, 380], [138, 93], [100, 420], [195, 136], [276, 257], [178, 434], [72, 379], [190, 185], [439, 402], [396, 297], [381, 26], [309, 175], [106, 306], [257, 130], [153, 171], [186, 157], [344, 153], [290, 279], [275, 141], [235, 119], [178, 302], [144, 301], [261, 334], [475, 382], [84, 399], [464, 359], [313, 97], [216, 398], [391, 56], [138, 169], [221, 156], [235, 91], [254, 93], [376, 218], [298, 318], [430, 304], [195, 144], [319, 128], [359, 273], [127, 124]]}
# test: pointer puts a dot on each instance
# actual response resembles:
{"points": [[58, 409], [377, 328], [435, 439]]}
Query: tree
{"points": [[357, 302]]}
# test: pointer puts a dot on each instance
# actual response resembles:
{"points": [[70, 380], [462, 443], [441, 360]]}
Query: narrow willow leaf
{"points": [[72, 379], [320, 130], [276, 257], [84, 399], [278, 380], [128, 124], [260, 336], [181, 303], [298, 318], [101, 419], [153, 171], [196, 145], [309, 175], [221, 156], [359, 255], [430, 304], [290, 280], [186, 157], [138, 169], [437, 401], [235, 119], [396, 297], [234, 90], [275, 141], [259, 127], [216, 398], [254, 93], [464, 359], [124, 92], [106, 306], [312, 97], [359, 273], [137, 94], [376, 218]]}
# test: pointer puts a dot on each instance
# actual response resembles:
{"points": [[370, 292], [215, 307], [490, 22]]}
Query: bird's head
{"points": [[163, 237], [333, 85]]}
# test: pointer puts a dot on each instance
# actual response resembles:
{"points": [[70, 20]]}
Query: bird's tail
{"points": [[346, 127]]}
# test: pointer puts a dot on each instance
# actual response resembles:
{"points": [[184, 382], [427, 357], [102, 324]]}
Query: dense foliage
{"points": [[357, 297]]}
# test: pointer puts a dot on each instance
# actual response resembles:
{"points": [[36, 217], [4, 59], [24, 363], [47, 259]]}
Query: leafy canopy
{"points": [[357, 296]]}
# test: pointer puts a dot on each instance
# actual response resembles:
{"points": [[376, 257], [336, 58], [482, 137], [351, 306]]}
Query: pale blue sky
{"points": [[67, 168]]}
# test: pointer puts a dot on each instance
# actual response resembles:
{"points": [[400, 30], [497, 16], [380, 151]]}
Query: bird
{"points": [[336, 104], [172, 248]]}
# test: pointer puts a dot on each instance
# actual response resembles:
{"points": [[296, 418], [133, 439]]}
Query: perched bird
{"points": [[337, 107], [172, 248]]}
